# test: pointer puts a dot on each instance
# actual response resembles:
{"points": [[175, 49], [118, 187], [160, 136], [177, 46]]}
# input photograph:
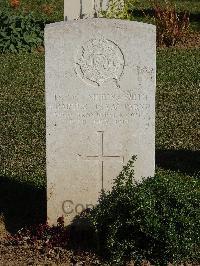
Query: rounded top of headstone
{"points": [[102, 22]]}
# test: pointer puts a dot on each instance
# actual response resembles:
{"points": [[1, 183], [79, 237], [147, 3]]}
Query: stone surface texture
{"points": [[100, 108], [78, 9]]}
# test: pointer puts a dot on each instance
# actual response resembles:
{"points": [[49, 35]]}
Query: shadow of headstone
{"points": [[185, 161], [21, 204], [82, 236]]}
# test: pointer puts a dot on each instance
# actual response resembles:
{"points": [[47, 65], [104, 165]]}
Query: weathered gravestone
{"points": [[100, 108], [78, 9]]}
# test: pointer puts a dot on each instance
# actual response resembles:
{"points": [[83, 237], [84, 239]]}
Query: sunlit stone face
{"points": [[100, 108]]}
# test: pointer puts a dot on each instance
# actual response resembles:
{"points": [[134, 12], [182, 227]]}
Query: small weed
{"points": [[171, 26]]}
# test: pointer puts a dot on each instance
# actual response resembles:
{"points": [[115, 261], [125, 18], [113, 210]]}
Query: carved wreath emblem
{"points": [[99, 60]]}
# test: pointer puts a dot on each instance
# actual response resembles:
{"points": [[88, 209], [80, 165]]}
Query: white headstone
{"points": [[77, 9], [100, 108]]}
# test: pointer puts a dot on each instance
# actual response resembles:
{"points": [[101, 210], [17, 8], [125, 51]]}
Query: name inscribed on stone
{"points": [[101, 108]]}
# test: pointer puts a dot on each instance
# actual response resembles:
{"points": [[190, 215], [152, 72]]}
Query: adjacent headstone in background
{"points": [[100, 108], [78, 9]]}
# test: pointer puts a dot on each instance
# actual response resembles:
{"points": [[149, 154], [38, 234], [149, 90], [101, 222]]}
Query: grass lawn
{"points": [[193, 6], [178, 106], [23, 113]]}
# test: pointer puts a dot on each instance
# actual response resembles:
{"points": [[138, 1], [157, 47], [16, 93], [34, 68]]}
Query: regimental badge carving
{"points": [[99, 60]]}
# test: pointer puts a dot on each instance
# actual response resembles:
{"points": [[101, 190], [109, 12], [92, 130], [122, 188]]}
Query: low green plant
{"points": [[119, 9], [157, 220], [19, 32]]}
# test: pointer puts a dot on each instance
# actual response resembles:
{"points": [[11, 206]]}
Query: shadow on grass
{"points": [[195, 17], [151, 12], [21, 204], [185, 161], [142, 12]]}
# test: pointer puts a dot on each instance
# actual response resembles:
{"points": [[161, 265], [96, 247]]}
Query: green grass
{"points": [[177, 102], [23, 117], [193, 6]]}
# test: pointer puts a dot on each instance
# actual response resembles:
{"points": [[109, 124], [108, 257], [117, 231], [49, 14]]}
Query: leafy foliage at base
{"points": [[19, 32], [157, 220]]}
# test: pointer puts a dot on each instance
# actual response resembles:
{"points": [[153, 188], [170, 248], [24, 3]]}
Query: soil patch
{"points": [[3, 231], [25, 254]]}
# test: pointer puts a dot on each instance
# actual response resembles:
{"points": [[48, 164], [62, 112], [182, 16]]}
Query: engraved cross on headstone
{"points": [[101, 157]]}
